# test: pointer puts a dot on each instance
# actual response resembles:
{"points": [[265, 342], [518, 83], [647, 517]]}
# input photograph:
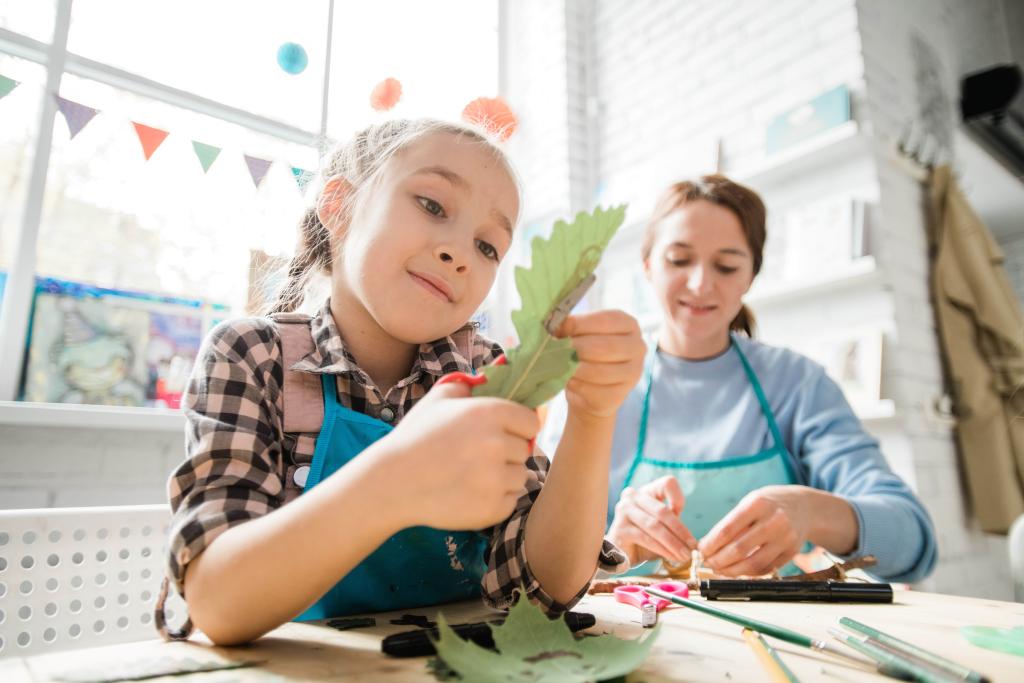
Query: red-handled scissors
{"points": [[650, 605], [474, 380]]}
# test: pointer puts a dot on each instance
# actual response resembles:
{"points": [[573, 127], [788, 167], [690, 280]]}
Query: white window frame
{"points": [[20, 287]]}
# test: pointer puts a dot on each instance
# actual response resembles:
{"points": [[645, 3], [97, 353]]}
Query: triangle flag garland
{"points": [[302, 177], [7, 85], [257, 168], [77, 115], [207, 154], [149, 137]]}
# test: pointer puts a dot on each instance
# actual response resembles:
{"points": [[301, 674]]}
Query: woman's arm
{"points": [[853, 505]]}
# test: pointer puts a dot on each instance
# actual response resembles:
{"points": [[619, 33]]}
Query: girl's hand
{"points": [[647, 525], [459, 463], [762, 533], [611, 357]]}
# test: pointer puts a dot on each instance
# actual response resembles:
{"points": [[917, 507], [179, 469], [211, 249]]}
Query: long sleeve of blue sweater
{"points": [[840, 457]]}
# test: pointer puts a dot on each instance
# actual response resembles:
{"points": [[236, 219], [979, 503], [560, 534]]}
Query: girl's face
{"points": [[423, 249], [700, 266]]}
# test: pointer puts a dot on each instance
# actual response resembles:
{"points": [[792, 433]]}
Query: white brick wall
{"points": [[958, 39], [60, 467]]}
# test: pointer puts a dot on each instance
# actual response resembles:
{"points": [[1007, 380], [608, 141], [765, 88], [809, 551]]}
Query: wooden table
{"points": [[691, 646]]}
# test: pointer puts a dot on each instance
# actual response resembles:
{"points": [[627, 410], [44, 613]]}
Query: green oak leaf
{"points": [[533, 648], [542, 364]]}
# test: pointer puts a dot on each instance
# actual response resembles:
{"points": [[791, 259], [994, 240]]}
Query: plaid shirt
{"points": [[241, 465]]}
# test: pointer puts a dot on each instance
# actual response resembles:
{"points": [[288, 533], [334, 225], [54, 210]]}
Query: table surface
{"points": [[691, 647]]}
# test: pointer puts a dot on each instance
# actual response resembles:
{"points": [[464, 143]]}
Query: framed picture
{"points": [[103, 346]]}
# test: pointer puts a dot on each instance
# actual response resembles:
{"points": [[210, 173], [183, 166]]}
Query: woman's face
{"points": [[700, 266]]}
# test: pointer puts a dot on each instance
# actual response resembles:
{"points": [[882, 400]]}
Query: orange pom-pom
{"points": [[493, 114], [386, 94]]}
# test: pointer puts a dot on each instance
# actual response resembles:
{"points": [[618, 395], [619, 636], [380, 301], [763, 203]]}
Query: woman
{"points": [[741, 450]]}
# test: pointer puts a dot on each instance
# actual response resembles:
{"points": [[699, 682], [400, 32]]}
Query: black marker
{"points": [[418, 643], [796, 591]]}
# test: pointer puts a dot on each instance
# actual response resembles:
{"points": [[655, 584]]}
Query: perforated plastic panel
{"points": [[79, 577]]}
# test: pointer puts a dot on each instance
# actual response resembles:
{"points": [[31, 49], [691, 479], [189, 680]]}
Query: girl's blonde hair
{"points": [[359, 162], [741, 200]]}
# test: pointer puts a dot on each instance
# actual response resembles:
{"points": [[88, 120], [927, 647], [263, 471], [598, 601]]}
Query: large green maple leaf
{"points": [[533, 648], [542, 364]]}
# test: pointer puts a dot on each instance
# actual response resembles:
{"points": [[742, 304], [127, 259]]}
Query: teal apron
{"points": [[417, 566], [712, 489]]}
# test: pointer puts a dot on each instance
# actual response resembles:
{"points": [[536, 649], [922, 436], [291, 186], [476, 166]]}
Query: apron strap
{"points": [[648, 380], [302, 395], [759, 392], [641, 439]]}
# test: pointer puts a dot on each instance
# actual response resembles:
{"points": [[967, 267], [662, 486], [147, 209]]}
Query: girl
{"points": [[765, 453], [395, 494]]}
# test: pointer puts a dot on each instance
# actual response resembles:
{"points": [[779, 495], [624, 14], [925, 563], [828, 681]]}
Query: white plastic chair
{"points": [[80, 577]]}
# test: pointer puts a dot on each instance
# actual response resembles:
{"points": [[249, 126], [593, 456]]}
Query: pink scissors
{"points": [[650, 605]]}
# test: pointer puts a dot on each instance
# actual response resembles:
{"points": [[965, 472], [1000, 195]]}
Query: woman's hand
{"points": [[647, 525], [770, 525], [611, 356]]}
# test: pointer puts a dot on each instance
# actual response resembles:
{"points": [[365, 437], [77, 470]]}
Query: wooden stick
{"points": [[769, 658]]}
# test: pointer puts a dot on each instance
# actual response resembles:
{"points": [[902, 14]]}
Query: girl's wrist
{"points": [[589, 420]]}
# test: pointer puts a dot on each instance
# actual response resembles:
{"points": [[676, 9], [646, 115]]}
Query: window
{"points": [[35, 22], [224, 50], [113, 219], [19, 111], [164, 210], [445, 55]]}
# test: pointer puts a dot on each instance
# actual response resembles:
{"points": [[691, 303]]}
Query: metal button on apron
{"points": [[387, 414], [300, 475]]}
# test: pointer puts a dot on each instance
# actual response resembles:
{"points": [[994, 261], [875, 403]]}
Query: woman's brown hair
{"points": [[741, 200]]}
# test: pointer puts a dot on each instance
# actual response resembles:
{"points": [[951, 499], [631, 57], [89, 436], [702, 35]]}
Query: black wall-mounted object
{"points": [[992, 107]]}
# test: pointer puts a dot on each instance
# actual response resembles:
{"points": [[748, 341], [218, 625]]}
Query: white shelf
{"points": [[831, 147], [861, 271], [884, 409], [90, 417]]}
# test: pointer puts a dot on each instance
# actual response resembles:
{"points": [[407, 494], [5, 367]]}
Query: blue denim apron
{"points": [[417, 566], [712, 489]]}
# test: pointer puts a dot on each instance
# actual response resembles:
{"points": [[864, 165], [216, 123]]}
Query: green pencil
{"points": [[779, 632], [914, 669], [961, 672]]}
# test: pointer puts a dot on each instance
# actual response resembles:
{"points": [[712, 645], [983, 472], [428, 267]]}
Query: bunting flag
{"points": [[207, 154], [7, 85], [77, 115], [257, 168], [302, 177], [149, 137]]}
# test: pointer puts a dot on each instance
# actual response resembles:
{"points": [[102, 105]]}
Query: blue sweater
{"points": [[706, 411]]}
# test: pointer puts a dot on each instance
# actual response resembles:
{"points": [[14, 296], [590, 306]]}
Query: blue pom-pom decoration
{"points": [[292, 58]]}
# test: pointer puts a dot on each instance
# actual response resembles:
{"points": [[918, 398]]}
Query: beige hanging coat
{"points": [[981, 331]]}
